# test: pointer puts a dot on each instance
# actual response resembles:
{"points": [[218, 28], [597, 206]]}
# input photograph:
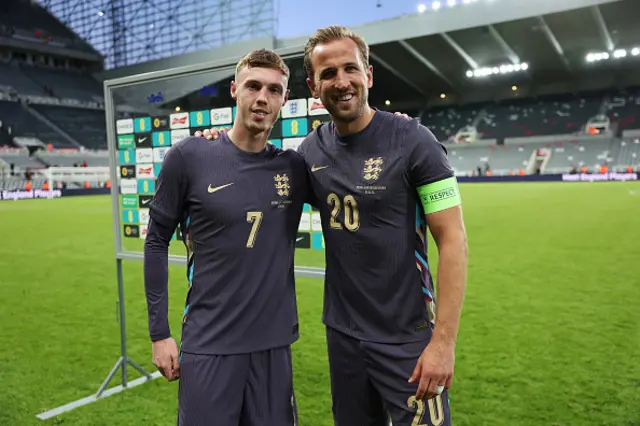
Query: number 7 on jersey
{"points": [[256, 219]]}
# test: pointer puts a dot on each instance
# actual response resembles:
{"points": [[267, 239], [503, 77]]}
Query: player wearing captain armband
{"points": [[380, 181]]}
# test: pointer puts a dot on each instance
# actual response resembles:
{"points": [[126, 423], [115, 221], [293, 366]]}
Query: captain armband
{"points": [[441, 195]]}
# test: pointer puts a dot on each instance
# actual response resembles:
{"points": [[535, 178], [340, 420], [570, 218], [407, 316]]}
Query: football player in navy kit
{"points": [[238, 201], [380, 181]]}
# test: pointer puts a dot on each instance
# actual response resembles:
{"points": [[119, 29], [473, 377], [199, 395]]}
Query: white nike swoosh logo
{"points": [[316, 168], [142, 140], [299, 239]]}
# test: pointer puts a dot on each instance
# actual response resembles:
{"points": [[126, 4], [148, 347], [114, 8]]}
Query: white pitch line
{"points": [[88, 400]]}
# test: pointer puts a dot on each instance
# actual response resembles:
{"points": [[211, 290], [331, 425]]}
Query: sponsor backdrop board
{"points": [[143, 142]]}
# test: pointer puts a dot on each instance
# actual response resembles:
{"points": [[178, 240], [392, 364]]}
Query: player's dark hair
{"points": [[263, 58], [329, 34]]}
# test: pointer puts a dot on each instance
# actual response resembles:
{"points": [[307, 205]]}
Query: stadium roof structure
{"points": [[457, 55]]}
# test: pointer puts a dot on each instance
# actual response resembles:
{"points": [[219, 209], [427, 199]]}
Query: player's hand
{"points": [[434, 368], [403, 115], [165, 358], [209, 134]]}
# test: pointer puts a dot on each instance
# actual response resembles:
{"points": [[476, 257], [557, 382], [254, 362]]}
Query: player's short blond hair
{"points": [[329, 34], [263, 58]]}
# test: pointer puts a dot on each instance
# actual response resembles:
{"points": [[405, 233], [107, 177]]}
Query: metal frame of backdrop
{"points": [[121, 254]]}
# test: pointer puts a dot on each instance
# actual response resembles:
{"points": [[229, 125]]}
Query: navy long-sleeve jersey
{"points": [[239, 213], [373, 189]]}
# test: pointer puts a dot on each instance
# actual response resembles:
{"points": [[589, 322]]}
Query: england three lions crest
{"points": [[372, 168], [281, 183]]}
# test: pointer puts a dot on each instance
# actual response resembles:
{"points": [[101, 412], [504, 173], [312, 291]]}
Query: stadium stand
{"points": [[624, 108], [64, 84], [20, 158], [87, 126], [12, 76], [628, 152], [25, 124], [444, 123], [547, 116]]}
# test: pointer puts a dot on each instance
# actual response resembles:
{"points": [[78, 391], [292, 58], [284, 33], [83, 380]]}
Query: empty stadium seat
{"points": [[445, 122], [25, 124], [546, 116], [624, 108], [86, 126], [628, 152], [587, 153], [10, 75], [65, 84]]}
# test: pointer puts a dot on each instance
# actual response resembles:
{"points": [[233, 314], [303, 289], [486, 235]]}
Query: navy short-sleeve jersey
{"points": [[239, 213], [377, 286]]}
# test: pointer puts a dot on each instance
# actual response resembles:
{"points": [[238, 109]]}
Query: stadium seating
{"points": [[70, 159], [86, 126], [628, 153], [20, 159], [25, 124], [624, 108], [590, 154], [11, 75], [445, 123], [19, 183], [64, 84], [546, 116]]}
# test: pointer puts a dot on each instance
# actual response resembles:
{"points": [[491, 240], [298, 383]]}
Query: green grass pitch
{"points": [[550, 333]]}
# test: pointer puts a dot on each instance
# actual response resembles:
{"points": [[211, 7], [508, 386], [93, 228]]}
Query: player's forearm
{"points": [[452, 276], [156, 266]]}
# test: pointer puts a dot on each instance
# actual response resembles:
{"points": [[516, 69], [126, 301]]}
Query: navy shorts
{"points": [[254, 389], [369, 384]]}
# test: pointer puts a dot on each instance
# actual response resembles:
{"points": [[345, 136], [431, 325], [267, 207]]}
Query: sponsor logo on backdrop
{"points": [[127, 171], [144, 140], [153, 98], [160, 123], [291, 143], [179, 120], [303, 240], [144, 230], [178, 135], [317, 120], [126, 142], [128, 186], [316, 224], [26, 195], [144, 200], [124, 126], [316, 107], [305, 222], [599, 177], [144, 155], [129, 202], [131, 231], [221, 116], [144, 171], [294, 108], [159, 153], [144, 216]]}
